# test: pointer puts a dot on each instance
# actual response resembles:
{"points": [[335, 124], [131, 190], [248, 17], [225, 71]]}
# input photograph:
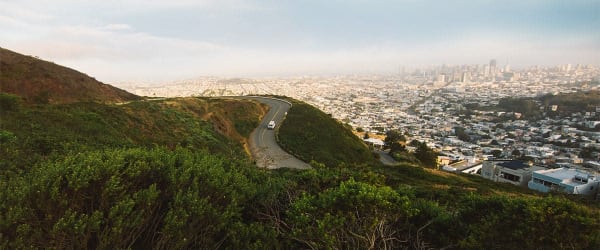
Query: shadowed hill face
{"points": [[40, 82]]}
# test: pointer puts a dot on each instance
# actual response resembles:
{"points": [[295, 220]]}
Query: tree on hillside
{"points": [[587, 153], [516, 153], [461, 134], [397, 147], [414, 143], [9, 102], [425, 154], [393, 136], [394, 140], [497, 153]]}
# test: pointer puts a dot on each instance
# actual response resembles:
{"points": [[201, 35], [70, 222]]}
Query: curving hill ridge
{"points": [[38, 81]]}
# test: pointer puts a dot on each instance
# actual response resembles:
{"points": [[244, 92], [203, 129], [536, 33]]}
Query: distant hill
{"points": [[573, 102], [38, 82]]}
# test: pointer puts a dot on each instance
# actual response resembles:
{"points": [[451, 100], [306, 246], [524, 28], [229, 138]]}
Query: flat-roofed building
{"points": [[511, 171], [568, 180]]}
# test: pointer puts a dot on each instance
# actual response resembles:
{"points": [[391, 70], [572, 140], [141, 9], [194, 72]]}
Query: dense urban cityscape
{"points": [[431, 104]]}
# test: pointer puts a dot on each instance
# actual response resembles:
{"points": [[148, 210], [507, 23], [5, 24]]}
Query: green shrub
{"points": [[128, 198], [9, 102]]}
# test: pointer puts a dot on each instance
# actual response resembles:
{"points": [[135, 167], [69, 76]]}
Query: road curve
{"points": [[386, 159], [263, 143]]}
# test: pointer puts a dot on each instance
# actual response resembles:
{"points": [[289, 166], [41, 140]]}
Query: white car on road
{"points": [[271, 125]]}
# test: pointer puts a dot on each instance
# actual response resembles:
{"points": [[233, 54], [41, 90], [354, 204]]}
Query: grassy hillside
{"points": [[33, 133], [40, 82], [313, 135], [173, 174], [141, 187]]}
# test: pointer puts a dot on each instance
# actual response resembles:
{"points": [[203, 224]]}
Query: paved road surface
{"points": [[386, 159], [263, 145]]}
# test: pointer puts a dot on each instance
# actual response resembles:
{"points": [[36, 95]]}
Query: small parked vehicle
{"points": [[271, 125]]}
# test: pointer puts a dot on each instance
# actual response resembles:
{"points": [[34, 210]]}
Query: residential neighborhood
{"points": [[450, 108]]}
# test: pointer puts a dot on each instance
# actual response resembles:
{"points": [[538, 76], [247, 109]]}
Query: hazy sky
{"points": [[152, 40]]}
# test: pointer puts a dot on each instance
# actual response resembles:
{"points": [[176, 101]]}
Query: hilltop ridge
{"points": [[39, 82]]}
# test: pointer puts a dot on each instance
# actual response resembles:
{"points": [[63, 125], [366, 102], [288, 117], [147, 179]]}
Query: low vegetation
{"points": [[313, 135], [573, 102], [41, 82], [35, 133], [170, 174]]}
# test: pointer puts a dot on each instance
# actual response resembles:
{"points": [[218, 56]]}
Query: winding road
{"points": [[263, 143]]}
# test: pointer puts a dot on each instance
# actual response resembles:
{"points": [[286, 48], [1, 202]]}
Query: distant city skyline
{"points": [[153, 41]]}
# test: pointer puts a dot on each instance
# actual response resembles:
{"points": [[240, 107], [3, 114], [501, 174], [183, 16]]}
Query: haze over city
{"points": [[153, 41]]}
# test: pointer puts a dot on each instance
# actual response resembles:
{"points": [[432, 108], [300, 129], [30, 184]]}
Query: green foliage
{"points": [[401, 155], [528, 107], [55, 130], [506, 222], [130, 198], [573, 102], [9, 102], [311, 134], [516, 153], [587, 152], [461, 134], [426, 155], [394, 137], [353, 215], [567, 103], [152, 175]]}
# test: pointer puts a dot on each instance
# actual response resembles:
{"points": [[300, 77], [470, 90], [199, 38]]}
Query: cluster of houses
{"points": [[431, 103], [568, 180]]}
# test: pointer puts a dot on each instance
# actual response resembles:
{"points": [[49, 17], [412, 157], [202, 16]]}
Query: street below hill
{"points": [[263, 143]]}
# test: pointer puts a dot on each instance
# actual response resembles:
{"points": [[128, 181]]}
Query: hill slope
{"points": [[158, 174], [311, 134], [172, 174], [29, 134], [38, 82]]}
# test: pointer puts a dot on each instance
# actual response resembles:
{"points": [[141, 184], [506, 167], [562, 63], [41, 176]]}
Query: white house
{"points": [[511, 171], [569, 180], [374, 142]]}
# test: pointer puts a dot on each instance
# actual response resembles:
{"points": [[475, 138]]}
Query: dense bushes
{"points": [[529, 107], [153, 191], [573, 102], [352, 215], [9, 102], [130, 198], [140, 198]]}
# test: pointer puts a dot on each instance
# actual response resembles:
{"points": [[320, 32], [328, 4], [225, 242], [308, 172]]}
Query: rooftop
{"points": [[563, 173], [514, 165]]}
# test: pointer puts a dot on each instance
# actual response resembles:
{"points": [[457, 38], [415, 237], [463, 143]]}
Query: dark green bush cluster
{"points": [[127, 198]]}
